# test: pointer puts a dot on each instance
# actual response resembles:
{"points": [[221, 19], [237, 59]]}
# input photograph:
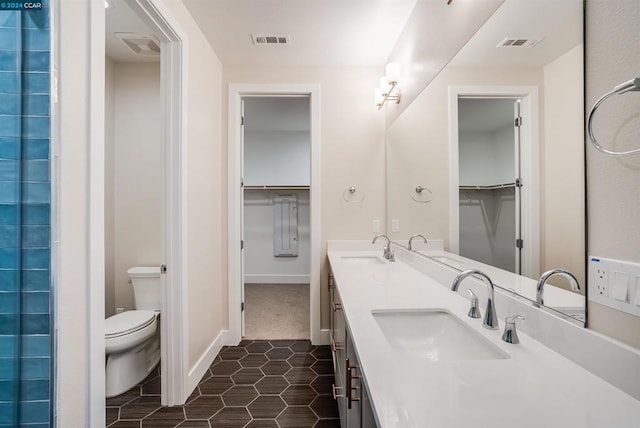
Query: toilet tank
{"points": [[146, 287]]}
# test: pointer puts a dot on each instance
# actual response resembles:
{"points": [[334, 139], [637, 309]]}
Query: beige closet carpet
{"points": [[276, 311]]}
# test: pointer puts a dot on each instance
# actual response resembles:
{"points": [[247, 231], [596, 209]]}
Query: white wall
{"points": [[613, 194], [486, 158], [562, 178], [137, 176], [204, 232], [109, 227], [72, 235], [261, 266], [277, 158], [352, 146]]}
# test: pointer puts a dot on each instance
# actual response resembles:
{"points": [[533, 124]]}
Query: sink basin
{"points": [[434, 335], [363, 260]]}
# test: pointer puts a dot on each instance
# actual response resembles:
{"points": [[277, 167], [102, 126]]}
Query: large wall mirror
{"points": [[490, 156]]}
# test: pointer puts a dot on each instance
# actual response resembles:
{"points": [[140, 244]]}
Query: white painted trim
{"points": [[96, 150], [530, 170], [173, 324], [276, 279], [325, 336], [236, 92], [204, 362]]}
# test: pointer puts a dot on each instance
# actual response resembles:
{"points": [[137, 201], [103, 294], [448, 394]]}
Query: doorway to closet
{"points": [[276, 240], [489, 181], [494, 176]]}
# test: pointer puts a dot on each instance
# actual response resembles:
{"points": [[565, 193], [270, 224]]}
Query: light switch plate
{"points": [[615, 283], [395, 225]]}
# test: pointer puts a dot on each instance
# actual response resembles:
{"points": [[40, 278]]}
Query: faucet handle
{"points": [[474, 310], [510, 335]]}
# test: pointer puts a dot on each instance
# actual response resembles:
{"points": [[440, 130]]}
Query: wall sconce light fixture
{"points": [[388, 90]]}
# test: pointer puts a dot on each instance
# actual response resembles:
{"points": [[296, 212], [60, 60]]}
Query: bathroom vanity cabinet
{"points": [[349, 389]]}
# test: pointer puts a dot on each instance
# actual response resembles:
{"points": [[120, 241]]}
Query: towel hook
{"points": [[631, 85]]}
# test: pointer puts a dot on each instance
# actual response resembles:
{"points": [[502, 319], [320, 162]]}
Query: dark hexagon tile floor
{"points": [[261, 383]]}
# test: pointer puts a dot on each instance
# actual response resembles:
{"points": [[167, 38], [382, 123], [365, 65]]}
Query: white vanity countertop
{"points": [[534, 387]]}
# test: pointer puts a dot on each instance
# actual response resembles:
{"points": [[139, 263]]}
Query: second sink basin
{"points": [[434, 335], [363, 260]]}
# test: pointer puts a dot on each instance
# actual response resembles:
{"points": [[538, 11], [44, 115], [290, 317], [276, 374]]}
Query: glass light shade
{"points": [[392, 72], [384, 84], [378, 96]]}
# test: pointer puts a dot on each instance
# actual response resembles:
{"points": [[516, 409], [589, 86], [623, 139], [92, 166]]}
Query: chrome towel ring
{"points": [[631, 85]]}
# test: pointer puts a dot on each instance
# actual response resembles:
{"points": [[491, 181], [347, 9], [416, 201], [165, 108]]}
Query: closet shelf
{"points": [[276, 187], [491, 187]]}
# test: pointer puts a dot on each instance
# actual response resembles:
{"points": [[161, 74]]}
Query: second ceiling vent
{"points": [[270, 39], [518, 42]]}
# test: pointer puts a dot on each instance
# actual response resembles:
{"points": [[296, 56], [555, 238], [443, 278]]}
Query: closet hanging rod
{"points": [[631, 85], [277, 187], [493, 187]]}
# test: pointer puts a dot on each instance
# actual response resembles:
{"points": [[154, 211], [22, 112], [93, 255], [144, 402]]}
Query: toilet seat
{"points": [[127, 322]]}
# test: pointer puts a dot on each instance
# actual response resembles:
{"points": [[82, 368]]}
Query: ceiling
{"points": [[557, 22], [322, 32], [120, 18], [354, 32]]}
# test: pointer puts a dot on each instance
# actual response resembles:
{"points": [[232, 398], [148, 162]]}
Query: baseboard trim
{"points": [[325, 338], [276, 279], [197, 372]]}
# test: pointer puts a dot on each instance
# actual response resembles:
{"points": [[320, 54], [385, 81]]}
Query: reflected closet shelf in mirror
{"points": [[491, 187], [276, 187]]}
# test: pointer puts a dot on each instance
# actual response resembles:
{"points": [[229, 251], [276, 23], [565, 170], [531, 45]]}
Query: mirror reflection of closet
{"points": [[488, 156], [276, 217]]}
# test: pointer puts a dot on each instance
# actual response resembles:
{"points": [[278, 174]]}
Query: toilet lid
{"points": [[127, 322]]}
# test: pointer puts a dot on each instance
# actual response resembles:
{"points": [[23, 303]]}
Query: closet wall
{"points": [[277, 153]]}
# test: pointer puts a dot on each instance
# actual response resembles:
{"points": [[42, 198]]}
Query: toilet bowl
{"points": [[132, 347], [132, 338]]}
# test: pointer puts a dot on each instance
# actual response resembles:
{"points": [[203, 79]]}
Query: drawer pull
{"points": [[335, 394], [349, 386]]}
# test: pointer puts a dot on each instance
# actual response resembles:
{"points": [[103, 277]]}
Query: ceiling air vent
{"points": [[264, 39], [518, 42], [141, 44]]}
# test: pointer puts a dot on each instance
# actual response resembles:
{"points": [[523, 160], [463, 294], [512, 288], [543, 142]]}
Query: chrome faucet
{"points": [[490, 318], [388, 252], [548, 274], [416, 236]]}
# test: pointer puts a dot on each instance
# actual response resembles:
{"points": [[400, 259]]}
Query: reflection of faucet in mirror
{"points": [[415, 236], [490, 317], [388, 252], [548, 274]]}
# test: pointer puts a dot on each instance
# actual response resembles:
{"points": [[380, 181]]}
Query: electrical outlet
{"points": [[375, 226], [602, 282], [395, 225], [119, 310]]}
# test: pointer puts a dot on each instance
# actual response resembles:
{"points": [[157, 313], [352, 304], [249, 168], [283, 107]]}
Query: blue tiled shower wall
{"points": [[25, 206]]}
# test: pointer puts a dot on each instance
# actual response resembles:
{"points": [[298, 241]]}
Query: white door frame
{"points": [[174, 355], [236, 93], [173, 325], [530, 153]]}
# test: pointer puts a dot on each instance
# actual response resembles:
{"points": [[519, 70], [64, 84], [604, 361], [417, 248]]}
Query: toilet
{"points": [[132, 338]]}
